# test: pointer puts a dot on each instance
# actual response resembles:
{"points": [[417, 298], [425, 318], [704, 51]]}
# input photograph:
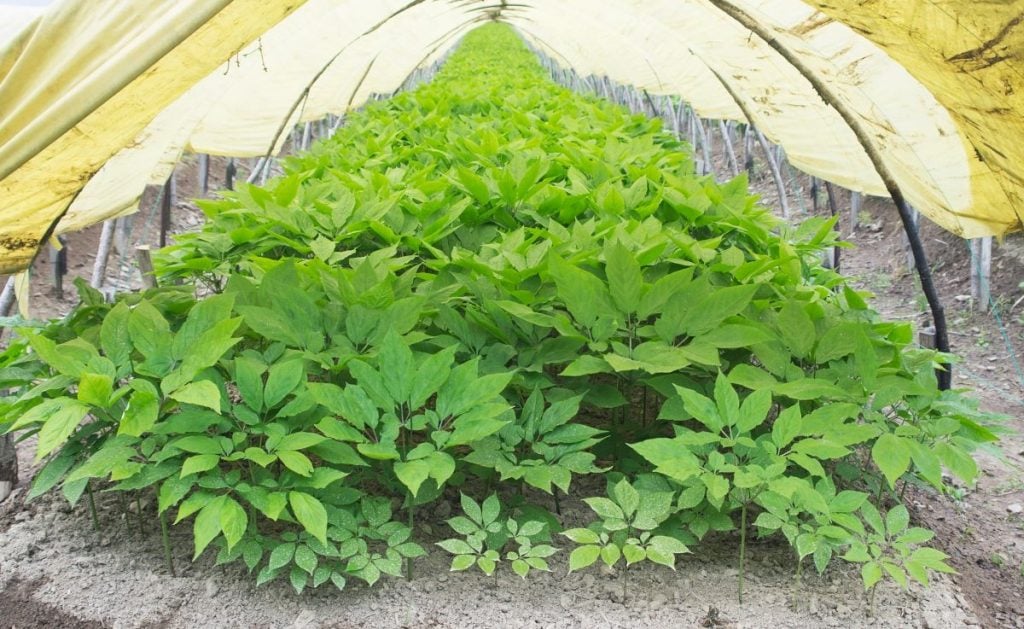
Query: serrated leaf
{"points": [[896, 520], [298, 579], [202, 393], [282, 379], [610, 554], [207, 524], [605, 508], [786, 426], [296, 462], [199, 463], [63, 421], [583, 556], [892, 456], [95, 389], [310, 513], [626, 497], [582, 536], [281, 555], [457, 547], [233, 521], [625, 280], [412, 474], [305, 559]]}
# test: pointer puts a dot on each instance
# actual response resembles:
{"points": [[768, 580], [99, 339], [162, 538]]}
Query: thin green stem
{"points": [[138, 512], [412, 521], [799, 581], [168, 558], [625, 568], [124, 512], [92, 507], [743, 546], [871, 601]]}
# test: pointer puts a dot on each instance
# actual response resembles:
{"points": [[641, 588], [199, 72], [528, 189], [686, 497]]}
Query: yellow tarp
{"points": [[970, 55], [119, 88], [80, 84]]}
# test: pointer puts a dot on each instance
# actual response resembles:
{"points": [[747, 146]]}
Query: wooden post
{"points": [[229, 174], [981, 270], [166, 198], [204, 173], [145, 262]]}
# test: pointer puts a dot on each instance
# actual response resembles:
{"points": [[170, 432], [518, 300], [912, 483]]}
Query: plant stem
{"points": [[871, 601], [167, 544], [124, 513], [625, 568], [92, 507], [799, 582], [412, 521], [743, 546], [558, 504], [138, 512]]}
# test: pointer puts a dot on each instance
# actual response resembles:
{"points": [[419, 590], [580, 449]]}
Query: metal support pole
{"points": [[204, 173], [729, 152], [856, 203], [165, 209], [780, 185], [99, 268], [981, 270]]}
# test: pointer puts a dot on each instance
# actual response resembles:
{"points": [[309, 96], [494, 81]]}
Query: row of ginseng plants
{"points": [[492, 284]]}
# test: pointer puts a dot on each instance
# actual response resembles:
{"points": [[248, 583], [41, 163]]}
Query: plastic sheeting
{"points": [[81, 82], [937, 82]]}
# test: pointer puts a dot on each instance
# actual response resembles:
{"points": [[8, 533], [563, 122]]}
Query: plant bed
{"points": [[494, 288]]}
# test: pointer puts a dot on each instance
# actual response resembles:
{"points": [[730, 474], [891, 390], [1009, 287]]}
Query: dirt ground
{"points": [[55, 571]]}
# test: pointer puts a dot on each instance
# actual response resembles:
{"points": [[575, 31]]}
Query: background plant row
{"points": [[493, 283]]}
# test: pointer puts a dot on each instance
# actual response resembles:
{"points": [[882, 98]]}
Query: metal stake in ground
{"points": [[165, 209]]}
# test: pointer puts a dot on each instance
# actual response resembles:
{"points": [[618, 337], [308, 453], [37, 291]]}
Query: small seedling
{"points": [[486, 535], [893, 548], [629, 518]]}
